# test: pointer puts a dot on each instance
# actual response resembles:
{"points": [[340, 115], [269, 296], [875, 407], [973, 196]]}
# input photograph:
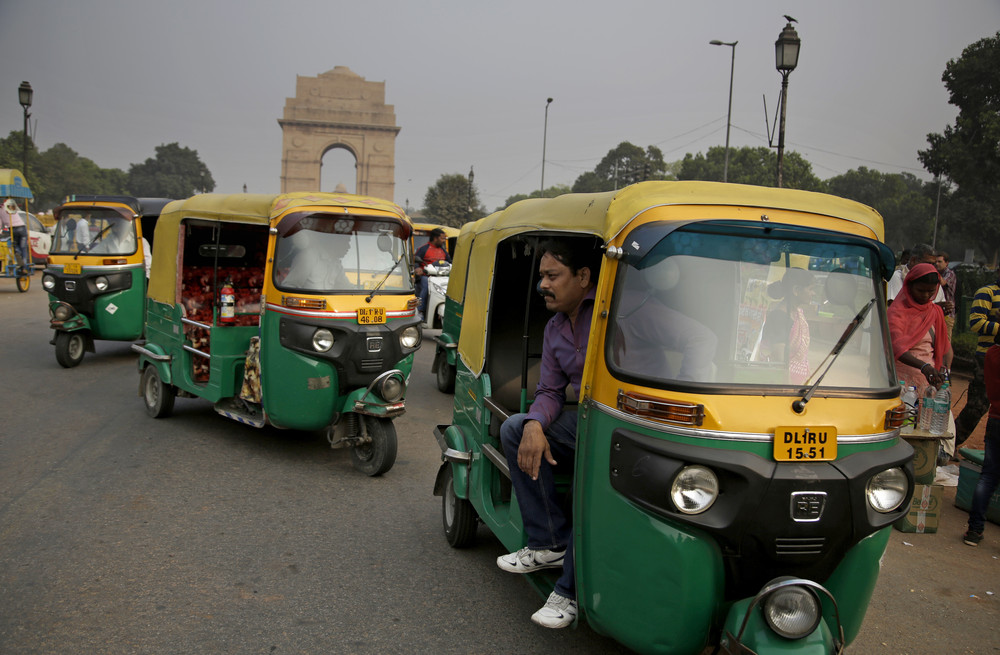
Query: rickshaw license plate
{"points": [[805, 444], [73, 268], [371, 315]]}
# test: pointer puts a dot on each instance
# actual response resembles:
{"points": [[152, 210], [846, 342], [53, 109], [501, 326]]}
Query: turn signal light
{"points": [[303, 303], [894, 417], [660, 409], [114, 262]]}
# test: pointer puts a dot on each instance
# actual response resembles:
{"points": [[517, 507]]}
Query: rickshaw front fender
{"points": [[454, 453], [758, 638], [369, 403]]}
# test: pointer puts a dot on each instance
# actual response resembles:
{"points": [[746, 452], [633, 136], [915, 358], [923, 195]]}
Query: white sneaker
{"points": [[558, 612], [527, 560]]}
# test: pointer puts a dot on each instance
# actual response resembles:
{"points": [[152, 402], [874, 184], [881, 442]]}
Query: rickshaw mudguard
{"points": [[147, 352], [452, 440], [851, 584]]}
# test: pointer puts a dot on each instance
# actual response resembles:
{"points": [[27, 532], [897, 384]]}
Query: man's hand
{"points": [[533, 447]]}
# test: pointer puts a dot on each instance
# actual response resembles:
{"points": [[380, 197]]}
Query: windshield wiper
{"points": [[379, 285], [800, 404], [99, 236]]}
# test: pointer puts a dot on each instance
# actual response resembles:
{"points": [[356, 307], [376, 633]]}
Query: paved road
{"points": [[193, 534]]}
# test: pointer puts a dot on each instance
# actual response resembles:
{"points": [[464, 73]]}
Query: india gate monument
{"points": [[339, 109]]}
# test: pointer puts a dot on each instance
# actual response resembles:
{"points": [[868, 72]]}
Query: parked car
{"points": [[39, 238]]}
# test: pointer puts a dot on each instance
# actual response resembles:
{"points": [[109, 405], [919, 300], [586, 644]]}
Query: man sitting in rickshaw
{"points": [[543, 441]]}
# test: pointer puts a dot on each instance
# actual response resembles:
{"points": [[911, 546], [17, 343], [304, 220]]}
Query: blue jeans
{"points": [[988, 479], [422, 293], [547, 523], [20, 241]]}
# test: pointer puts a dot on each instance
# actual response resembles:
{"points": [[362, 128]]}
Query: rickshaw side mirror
{"points": [[384, 243], [841, 288]]}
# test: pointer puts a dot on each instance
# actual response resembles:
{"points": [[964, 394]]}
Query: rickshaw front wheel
{"points": [[379, 454], [157, 396], [458, 515], [23, 283], [70, 347]]}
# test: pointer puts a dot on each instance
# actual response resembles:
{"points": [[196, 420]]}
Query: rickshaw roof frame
{"points": [[13, 184], [140, 206], [449, 231], [247, 209], [606, 215]]}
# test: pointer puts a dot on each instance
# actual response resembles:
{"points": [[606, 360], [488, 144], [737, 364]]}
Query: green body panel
{"points": [[118, 316], [666, 597], [456, 439]]}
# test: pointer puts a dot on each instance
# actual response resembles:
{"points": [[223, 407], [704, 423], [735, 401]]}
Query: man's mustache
{"points": [[544, 293]]}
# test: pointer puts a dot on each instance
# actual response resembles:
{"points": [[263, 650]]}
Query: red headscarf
{"points": [[909, 321]]}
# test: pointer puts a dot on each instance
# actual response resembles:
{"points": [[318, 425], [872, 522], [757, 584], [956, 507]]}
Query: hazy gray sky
{"points": [[113, 79]]}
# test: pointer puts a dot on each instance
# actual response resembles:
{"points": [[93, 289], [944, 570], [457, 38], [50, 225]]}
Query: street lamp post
{"points": [[729, 114], [545, 134], [24, 94], [786, 58]]}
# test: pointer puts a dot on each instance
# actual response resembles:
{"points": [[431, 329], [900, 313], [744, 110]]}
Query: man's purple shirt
{"points": [[564, 351]]}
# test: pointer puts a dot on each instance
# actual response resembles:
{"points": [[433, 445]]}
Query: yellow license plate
{"points": [[805, 444], [73, 268], [371, 315]]}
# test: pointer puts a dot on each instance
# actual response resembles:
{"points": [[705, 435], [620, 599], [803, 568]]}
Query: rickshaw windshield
{"points": [[707, 305], [335, 254], [96, 230]]}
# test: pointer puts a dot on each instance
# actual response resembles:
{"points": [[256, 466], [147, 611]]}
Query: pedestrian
{"points": [[10, 218], [984, 320], [919, 254], [949, 283], [989, 478]]}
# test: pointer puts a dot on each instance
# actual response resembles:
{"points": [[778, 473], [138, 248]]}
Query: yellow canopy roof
{"points": [[13, 184], [606, 215], [247, 208]]}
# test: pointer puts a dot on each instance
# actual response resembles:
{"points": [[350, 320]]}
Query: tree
{"points": [[175, 172], [551, 192], [903, 200], [63, 172], [623, 165], [750, 165], [453, 201], [12, 156], [967, 151]]}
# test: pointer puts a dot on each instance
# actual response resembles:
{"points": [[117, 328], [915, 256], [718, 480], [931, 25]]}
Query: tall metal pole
{"points": [[729, 113], [781, 126], [545, 134]]}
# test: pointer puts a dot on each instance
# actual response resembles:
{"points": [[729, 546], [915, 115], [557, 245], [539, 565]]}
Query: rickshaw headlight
{"points": [[694, 489], [62, 312], [410, 337], [886, 490], [392, 388], [101, 283], [322, 340], [48, 282], [793, 611]]}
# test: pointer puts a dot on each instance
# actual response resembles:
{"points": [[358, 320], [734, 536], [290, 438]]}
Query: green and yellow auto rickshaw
{"points": [[295, 311], [738, 462], [446, 343], [97, 271]]}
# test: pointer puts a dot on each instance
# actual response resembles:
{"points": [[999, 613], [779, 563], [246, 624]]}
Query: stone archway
{"points": [[339, 109]]}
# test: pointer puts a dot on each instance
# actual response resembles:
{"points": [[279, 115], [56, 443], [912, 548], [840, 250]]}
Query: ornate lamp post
{"points": [[729, 114], [786, 58], [24, 94], [545, 134]]}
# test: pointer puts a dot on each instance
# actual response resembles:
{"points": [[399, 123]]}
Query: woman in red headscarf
{"points": [[920, 341]]}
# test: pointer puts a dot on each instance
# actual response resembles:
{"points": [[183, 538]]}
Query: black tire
{"points": [[23, 283], [378, 455], [445, 374], [457, 515], [70, 347], [157, 396]]}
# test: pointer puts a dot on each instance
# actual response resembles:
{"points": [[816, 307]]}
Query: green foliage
{"points": [[902, 199], [453, 201], [749, 165], [12, 156], [623, 165], [967, 151], [175, 172], [62, 172], [550, 192]]}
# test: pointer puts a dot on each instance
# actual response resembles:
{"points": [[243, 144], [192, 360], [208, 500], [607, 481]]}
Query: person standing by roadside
{"points": [[984, 320], [989, 478], [919, 254], [948, 283]]}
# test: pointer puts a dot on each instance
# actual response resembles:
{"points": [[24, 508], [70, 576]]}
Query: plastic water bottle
{"points": [[927, 406], [909, 398], [942, 408]]}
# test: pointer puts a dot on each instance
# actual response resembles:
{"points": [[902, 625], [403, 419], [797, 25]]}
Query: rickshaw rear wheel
{"points": [[23, 283], [157, 396], [457, 514], [70, 347], [378, 455], [445, 374]]}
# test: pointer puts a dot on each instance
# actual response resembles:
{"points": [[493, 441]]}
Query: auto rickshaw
{"points": [[446, 343], [97, 271], [726, 491], [295, 311], [13, 185], [437, 274]]}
